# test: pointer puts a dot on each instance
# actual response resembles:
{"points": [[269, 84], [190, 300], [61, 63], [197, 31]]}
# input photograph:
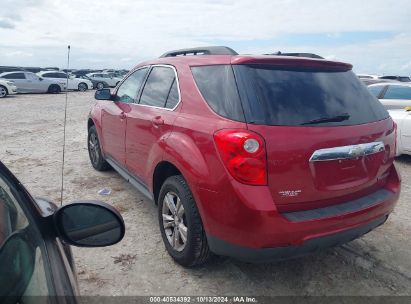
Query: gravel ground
{"points": [[31, 140]]}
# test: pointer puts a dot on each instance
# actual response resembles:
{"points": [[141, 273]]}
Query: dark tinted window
{"points": [[274, 96], [48, 75], [173, 96], [14, 76], [398, 92], [404, 79], [376, 90], [60, 75], [128, 90], [217, 85], [157, 87]]}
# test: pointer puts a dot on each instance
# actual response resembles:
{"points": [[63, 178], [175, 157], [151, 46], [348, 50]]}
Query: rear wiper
{"points": [[337, 118]]}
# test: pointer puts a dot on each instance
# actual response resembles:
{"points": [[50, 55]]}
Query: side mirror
{"points": [[103, 94], [407, 108], [41, 79], [89, 224]]}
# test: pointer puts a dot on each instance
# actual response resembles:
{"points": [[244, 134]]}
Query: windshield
{"points": [[288, 97]]}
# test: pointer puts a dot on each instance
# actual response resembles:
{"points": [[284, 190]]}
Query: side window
{"points": [[127, 92], [15, 76], [32, 76], [157, 87], [376, 91], [173, 96], [23, 255], [398, 92], [48, 75]]}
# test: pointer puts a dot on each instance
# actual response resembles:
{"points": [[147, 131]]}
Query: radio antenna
{"points": [[64, 127]]}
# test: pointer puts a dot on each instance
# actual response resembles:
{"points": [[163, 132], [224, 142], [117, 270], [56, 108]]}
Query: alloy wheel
{"points": [[3, 92], [174, 221], [94, 148], [82, 87]]}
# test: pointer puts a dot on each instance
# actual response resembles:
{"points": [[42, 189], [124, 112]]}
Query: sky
{"points": [[375, 36]]}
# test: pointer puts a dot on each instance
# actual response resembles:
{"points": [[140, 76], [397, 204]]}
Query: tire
{"points": [[94, 151], [100, 86], [54, 89], [82, 87], [3, 91], [194, 251]]}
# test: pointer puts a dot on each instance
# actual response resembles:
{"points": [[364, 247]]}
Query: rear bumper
{"points": [[245, 223], [262, 255]]}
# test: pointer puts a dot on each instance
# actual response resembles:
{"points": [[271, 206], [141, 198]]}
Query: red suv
{"points": [[254, 157]]}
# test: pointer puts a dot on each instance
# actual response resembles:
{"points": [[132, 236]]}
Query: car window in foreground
{"points": [[22, 250], [294, 97], [398, 92], [128, 90], [157, 87]]}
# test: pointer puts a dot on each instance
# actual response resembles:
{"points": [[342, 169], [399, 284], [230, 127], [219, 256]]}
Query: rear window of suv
{"points": [[297, 97]]}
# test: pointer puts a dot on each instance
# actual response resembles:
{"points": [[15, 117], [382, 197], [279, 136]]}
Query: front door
{"points": [[114, 117]]}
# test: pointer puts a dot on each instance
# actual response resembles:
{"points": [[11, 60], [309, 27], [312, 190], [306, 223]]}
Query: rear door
{"points": [[20, 81], [150, 121], [327, 137], [406, 132], [114, 115]]}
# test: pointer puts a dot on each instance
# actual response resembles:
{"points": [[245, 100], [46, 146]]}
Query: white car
{"points": [[395, 95], [7, 87], [367, 76], [403, 120], [104, 80], [73, 83], [28, 82]]}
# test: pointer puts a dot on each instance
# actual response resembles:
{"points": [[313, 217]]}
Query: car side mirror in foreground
{"points": [[103, 94], [89, 224]]}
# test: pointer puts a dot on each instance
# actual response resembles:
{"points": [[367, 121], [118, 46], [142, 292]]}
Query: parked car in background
{"points": [[392, 95], [7, 87], [73, 83], [367, 76], [36, 264], [402, 118], [368, 82], [398, 78], [28, 82], [104, 79], [93, 81], [255, 157]]}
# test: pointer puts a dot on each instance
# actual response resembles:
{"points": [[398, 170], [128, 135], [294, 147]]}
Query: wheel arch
{"points": [[162, 171]]}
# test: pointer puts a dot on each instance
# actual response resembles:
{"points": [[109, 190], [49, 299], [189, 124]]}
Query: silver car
{"points": [[396, 95], [104, 80], [28, 82]]}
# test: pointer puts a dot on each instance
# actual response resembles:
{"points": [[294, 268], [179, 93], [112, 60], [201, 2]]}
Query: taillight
{"points": [[244, 155]]}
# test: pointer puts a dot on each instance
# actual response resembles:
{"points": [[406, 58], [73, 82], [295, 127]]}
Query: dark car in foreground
{"points": [[36, 265], [255, 157]]}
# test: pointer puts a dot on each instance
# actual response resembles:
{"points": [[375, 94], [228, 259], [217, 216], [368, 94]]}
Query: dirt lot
{"points": [[31, 144]]}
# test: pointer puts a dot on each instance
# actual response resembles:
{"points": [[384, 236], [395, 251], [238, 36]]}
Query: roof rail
{"points": [[309, 55], [205, 50]]}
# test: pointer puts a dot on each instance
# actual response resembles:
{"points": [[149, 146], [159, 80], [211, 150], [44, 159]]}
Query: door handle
{"points": [[157, 121], [122, 115]]}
